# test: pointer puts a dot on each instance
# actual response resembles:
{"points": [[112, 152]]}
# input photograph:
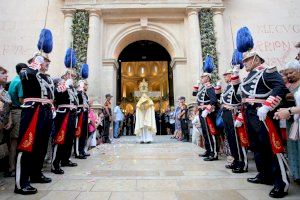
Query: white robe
{"points": [[145, 126]]}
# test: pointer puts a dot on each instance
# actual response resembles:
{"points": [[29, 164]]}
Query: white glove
{"points": [[236, 70], [53, 112], [238, 123], [69, 83], [204, 113], [262, 112]]}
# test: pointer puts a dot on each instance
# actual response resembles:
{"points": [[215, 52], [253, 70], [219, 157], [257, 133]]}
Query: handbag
{"points": [[219, 120]]}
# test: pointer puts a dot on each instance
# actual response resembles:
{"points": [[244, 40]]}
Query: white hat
{"points": [[293, 65], [229, 71], [206, 74], [250, 54]]}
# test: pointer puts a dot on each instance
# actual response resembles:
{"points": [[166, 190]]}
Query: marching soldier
{"points": [[262, 91], [84, 111], [231, 103], [35, 126], [66, 104], [207, 102]]}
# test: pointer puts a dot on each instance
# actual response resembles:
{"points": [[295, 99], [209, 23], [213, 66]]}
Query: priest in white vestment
{"points": [[145, 126]]}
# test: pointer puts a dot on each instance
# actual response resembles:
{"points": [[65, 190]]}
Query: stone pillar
{"points": [[223, 61], [194, 50], [108, 79], [94, 53], [68, 38], [180, 81]]}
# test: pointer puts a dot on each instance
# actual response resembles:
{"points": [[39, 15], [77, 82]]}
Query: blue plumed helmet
{"points": [[45, 43], [70, 58], [237, 59], [244, 40], [84, 71], [208, 64]]}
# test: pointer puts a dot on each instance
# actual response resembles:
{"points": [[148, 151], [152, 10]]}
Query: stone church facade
{"points": [[174, 24]]}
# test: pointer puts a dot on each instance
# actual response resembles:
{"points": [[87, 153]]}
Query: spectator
{"points": [[172, 121], [5, 115], [92, 125], [196, 126], [292, 73], [118, 119]]}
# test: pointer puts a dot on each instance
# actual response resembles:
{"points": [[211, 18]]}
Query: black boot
{"points": [[40, 179], [277, 193], [69, 163], [57, 170], [26, 190], [206, 154]]}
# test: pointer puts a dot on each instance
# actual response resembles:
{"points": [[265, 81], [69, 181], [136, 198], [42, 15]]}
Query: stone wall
{"points": [[275, 26]]}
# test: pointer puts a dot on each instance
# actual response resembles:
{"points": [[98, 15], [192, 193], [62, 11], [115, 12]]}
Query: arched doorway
{"points": [[145, 59]]}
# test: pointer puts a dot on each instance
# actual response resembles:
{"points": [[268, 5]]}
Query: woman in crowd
{"points": [[100, 124], [292, 72], [177, 132], [172, 121], [91, 126], [196, 126]]}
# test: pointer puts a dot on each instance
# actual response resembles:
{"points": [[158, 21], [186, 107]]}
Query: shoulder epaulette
{"points": [[271, 69]]}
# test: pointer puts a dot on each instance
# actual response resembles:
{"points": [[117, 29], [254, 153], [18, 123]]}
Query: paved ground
{"points": [[163, 170]]}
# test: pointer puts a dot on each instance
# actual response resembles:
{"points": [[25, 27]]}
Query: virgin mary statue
{"points": [[145, 126]]}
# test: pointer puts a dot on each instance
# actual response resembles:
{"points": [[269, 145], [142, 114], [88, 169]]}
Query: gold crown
{"points": [[143, 86]]}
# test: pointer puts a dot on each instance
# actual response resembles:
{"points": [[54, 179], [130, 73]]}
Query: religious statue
{"points": [[145, 126]]}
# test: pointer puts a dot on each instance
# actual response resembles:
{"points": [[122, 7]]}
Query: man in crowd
{"points": [[107, 117], [231, 102], [207, 103], [66, 104], [118, 119], [35, 125], [16, 93], [262, 91], [82, 124]]}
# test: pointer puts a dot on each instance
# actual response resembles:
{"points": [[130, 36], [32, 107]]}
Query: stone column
{"points": [[94, 53], [180, 81], [194, 43], [108, 79], [223, 61], [68, 38], [194, 51]]}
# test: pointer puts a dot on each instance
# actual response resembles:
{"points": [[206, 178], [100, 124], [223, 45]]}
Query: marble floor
{"points": [[163, 170]]}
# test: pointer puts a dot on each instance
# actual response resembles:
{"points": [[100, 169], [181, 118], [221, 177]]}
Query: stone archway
{"points": [[152, 32]]}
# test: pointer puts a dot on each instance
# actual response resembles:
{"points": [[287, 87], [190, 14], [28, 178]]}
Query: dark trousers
{"points": [[210, 141], [106, 130], [84, 134], [269, 166], [185, 129], [62, 152], [30, 164], [239, 153]]}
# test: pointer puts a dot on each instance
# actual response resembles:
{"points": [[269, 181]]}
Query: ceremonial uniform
{"points": [[231, 103], [262, 91], [35, 128], [82, 126], [66, 102], [84, 134], [207, 102]]}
